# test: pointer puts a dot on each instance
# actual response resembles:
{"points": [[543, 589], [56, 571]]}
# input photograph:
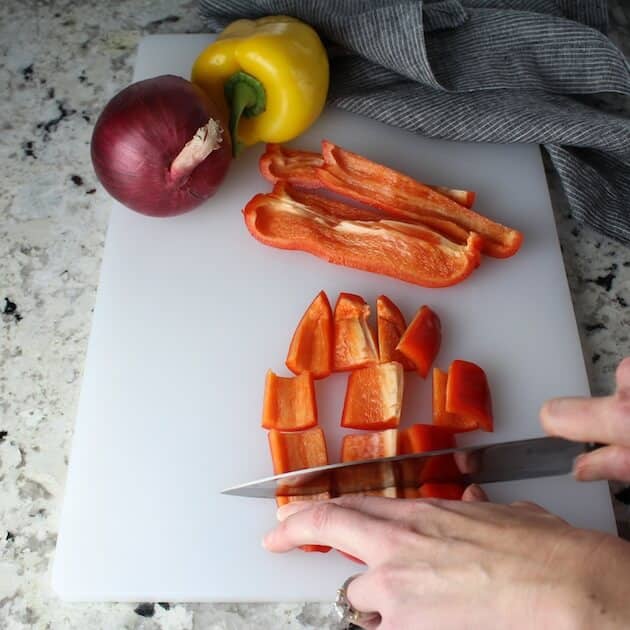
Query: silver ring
{"points": [[348, 615]]}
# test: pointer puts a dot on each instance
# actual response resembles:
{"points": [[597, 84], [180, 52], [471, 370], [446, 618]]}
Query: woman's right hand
{"points": [[605, 420]]}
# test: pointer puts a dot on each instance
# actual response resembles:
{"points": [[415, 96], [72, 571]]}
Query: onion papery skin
{"points": [[140, 133]]}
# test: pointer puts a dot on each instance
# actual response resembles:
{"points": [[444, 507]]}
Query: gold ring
{"points": [[348, 615]]}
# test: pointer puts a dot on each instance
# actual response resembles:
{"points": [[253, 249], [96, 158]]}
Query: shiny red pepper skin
{"points": [[397, 194], [299, 168], [349, 236]]}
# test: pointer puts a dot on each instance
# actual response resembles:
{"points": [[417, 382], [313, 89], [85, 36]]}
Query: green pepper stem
{"points": [[245, 96]]}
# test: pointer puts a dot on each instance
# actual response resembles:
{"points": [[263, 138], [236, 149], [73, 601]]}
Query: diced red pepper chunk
{"points": [[371, 445], [468, 394], [390, 325], [409, 493], [423, 438], [450, 491], [374, 397], [353, 339], [297, 450], [294, 451], [441, 417], [422, 339], [289, 403], [311, 348]]}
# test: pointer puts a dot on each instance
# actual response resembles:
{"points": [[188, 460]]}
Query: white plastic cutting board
{"points": [[192, 311]]}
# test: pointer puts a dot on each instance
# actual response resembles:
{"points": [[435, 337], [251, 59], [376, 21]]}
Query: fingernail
{"points": [[476, 492], [581, 468], [552, 408], [552, 413], [266, 540]]}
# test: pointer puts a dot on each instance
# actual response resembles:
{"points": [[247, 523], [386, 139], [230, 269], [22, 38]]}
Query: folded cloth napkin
{"points": [[482, 70]]}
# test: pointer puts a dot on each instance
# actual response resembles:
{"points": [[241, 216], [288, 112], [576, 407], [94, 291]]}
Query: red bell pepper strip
{"points": [[450, 491], [374, 397], [311, 348], [369, 446], [354, 344], [299, 168], [390, 325], [441, 417], [468, 394], [405, 251], [464, 197], [289, 403], [397, 194], [421, 340]]}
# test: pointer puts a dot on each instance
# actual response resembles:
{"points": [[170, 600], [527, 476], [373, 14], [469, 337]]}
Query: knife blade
{"points": [[505, 461]]}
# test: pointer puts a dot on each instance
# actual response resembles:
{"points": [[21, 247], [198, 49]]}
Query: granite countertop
{"points": [[60, 63]]}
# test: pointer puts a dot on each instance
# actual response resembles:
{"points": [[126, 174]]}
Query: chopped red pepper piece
{"points": [[391, 325], [354, 344], [468, 394], [402, 250], [299, 168], [297, 450], [289, 403], [409, 493], [312, 343], [397, 194], [293, 451], [441, 417], [374, 397], [296, 167], [370, 446], [421, 340], [450, 491], [422, 438]]}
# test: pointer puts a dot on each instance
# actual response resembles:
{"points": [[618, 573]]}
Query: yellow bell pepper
{"points": [[270, 75]]}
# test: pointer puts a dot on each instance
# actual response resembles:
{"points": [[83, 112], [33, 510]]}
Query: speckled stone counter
{"points": [[59, 64]]}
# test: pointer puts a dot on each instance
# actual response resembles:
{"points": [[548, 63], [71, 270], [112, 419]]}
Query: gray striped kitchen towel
{"points": [[483, 70]]}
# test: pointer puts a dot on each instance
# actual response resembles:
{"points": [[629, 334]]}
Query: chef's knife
{"points": [[507, 461]]}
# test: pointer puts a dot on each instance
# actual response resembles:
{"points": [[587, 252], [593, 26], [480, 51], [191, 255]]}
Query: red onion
{"points": [[159, 146]]}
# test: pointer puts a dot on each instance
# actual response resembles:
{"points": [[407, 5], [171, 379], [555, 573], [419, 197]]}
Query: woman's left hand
{"points": [[466, 564]]}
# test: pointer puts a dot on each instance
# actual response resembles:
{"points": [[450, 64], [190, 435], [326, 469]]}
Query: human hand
{"points": [[455, 564], [605, 420]]}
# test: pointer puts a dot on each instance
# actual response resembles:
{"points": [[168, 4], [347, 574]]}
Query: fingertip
{"points": [[622, 373], [266, 540], [474, 493], [551, 411], [585, 473]]}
